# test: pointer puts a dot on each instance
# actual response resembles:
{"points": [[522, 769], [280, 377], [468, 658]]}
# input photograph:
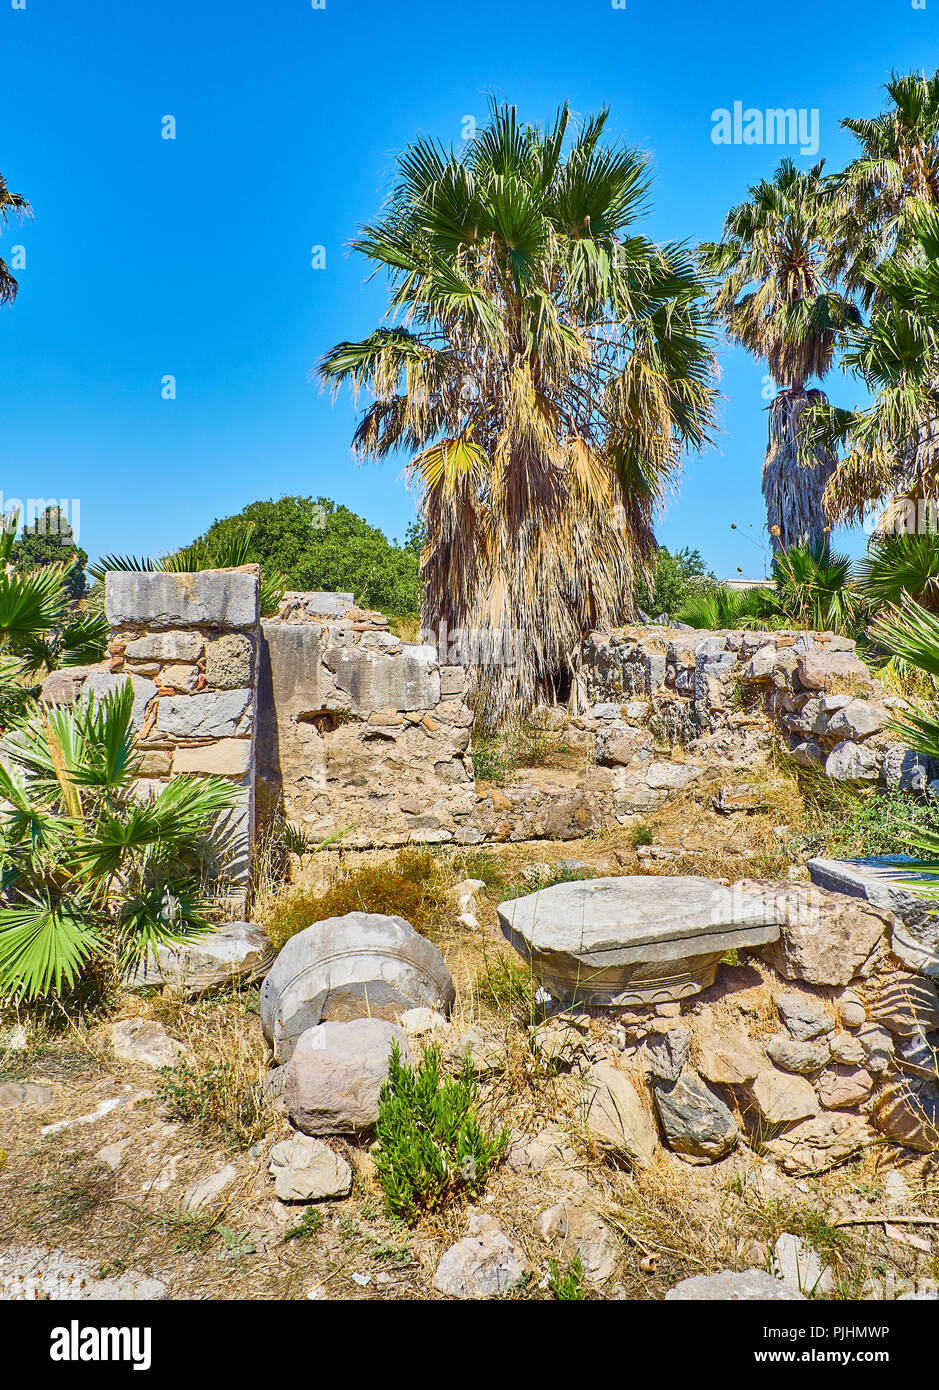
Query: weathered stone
{"points": [[210, 598], [324, 603], [215, 714], [811, 753], [824, 938], [233, 951], [732, 1286], [667, 1052], [798, 1266], [484, 1264], [727, 1059], [31, 1273], [858, 719], [24, 1093], [155, 762], [907, 1111], [58, 688], [818, 1143], [335, 1073], [146, 1043], [408, 681], [166, 646], [853, 762], [307, 1170], [818, 670], [906, 1005], [805, 1058], [179, 677], [697, 1123], [362, 965], [578, 1233], [486, 1054], [805, 1016], [781, 1098], [227, 757], [847, 1049], [229, 661], [616, 1116], [101, 683], [622, 941], [201, 1193], [905, 770], [888, 882], [842, 1088]]}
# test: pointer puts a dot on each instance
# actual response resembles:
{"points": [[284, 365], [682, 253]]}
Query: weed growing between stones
{"points": [[496, 756], [567, 1284], [217, 1099], [431, 1146]]}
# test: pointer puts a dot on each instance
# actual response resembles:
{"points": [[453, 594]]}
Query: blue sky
{"points": [[191, 257]]}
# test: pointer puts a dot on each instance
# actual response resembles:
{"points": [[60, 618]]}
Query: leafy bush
{"points": [[815, 589], [317, 544], [718, 606], [93, 876], [413, 885], [675, 576], [431, 1147]]}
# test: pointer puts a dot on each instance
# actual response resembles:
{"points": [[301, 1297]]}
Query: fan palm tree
{"points": [[545, 368], [776, 301], [890, 449], [92, 877], [11, 205], [898, 165]]}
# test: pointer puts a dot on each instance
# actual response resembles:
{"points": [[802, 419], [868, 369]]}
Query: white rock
{"points": [[209, 1188], [307, 1170]]}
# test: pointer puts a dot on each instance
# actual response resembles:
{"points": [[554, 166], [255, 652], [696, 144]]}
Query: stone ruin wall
{"points": [[324, 711]]}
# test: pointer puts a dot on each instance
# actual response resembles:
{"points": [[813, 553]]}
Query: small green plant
{"points": [[566, 1284], [217, 1099], [642, 834], [510, 989], [309, 1223], [431, 1146]]}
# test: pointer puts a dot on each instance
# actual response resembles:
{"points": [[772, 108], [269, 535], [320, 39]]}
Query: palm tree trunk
{"points": [[793, 487]]}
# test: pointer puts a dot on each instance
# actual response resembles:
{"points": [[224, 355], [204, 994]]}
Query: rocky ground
{"points": [[732, 1131]]}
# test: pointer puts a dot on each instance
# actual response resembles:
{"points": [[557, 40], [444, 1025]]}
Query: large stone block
{"points": [[215, 714], [166, 646], [824, 938], [890, 882], [101, 683], [229, 661], [634, 940], [210, 598], [373, 680], [333, 1079], [234, 951], [229, 757], [362, 965]]}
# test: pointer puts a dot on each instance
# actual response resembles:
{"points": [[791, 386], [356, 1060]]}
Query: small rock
{"points": [[667, 1053], [484, 1264], [307, 1170], [697, 1123], [146, 1043], [802, 1057], [112, 1155], [845, 1048], [730, 1059], [799, 1267], [417, 1022], [841, 1088], [616, 1117], [577, 1232], [818, 1143], [804, 1016], [209, 1188], [24, 1093], [732, 1286], [781, 1098]]}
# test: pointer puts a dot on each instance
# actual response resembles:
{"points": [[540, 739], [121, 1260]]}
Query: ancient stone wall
{"points": [[189, 644], [359, 729]]}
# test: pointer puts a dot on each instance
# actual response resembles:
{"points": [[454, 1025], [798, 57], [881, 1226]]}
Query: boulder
{"points": [[888, 882], [307, 1170], [856, 720], [819, 669], [824, 938], [576, 1232], [697, 1123], [633, 940], [853, 762], [362, 965], [332, 1081], [484, 1264], [616, 1117], [232, 951], [732, 1286]]}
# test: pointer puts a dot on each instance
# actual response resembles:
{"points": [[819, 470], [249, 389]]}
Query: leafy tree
{"points": [[50, 541], [675, 575], [11, 205], [775, 298], [319, 544], [93, 877], [545, 368]]}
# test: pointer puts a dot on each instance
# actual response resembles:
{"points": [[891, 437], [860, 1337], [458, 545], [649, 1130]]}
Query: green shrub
{"points": [[431, 1146], [675, 575], [216, 1099], [414, 885], [642, 834]]}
